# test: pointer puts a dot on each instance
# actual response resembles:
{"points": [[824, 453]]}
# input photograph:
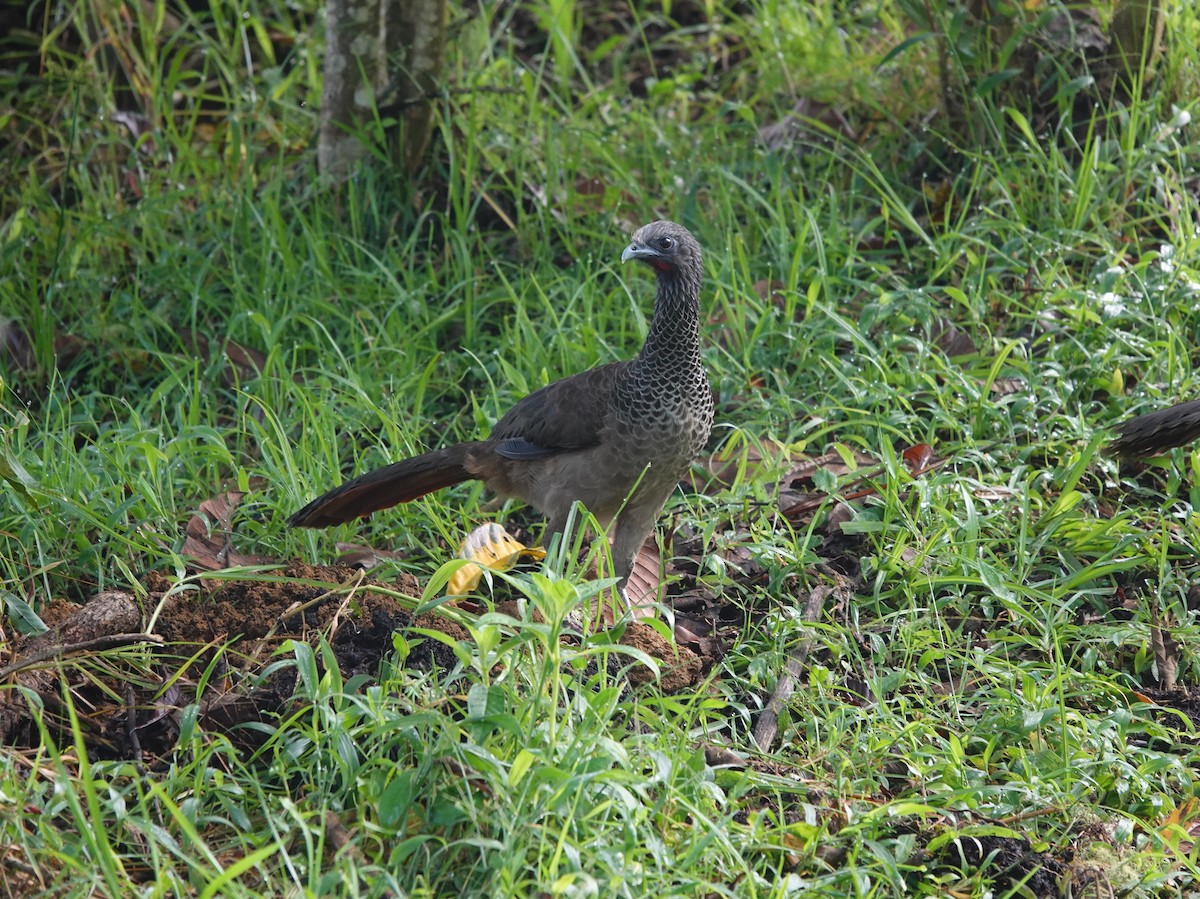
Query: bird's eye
{"points": [[665, 243]]}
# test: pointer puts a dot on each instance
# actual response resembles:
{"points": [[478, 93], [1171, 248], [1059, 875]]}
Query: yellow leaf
{"points": [[488, 546]]}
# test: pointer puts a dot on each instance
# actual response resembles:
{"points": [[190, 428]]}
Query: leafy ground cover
{"points": [[921, 635]]}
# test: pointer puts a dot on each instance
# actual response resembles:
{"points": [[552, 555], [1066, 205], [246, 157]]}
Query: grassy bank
{"points": [[982, 707]]}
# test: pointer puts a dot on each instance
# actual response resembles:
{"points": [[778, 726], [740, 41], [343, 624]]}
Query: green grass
{"points": [[984, 674]]}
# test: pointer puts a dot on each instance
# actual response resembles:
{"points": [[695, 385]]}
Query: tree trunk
{"points": [[423, 25], [1137, 42], [361, 37]]}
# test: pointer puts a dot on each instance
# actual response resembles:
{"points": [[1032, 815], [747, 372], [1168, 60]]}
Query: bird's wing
{"points": [[563, 416], [520, 448]]}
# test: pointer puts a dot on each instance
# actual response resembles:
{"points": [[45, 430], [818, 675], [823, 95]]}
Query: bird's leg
{"points": [[634, 525], [557, 525]]}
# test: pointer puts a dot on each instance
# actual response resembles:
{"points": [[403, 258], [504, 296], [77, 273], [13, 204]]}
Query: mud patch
{"points": [[1182, 699], [1009, 864], [212, 647], [680, 668]]}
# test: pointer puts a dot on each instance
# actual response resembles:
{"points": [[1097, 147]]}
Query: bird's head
{"points": [[665, 246]]}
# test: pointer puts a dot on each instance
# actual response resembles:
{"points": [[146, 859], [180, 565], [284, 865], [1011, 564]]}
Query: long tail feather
{"points": [[384, 487]]}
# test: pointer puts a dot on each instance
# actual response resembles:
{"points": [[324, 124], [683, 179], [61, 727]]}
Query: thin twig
{"points": [[108, 641], [767, 725], [300, 607]]}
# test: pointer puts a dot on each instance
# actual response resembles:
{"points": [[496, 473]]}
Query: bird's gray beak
{"points": [[637, 251]]}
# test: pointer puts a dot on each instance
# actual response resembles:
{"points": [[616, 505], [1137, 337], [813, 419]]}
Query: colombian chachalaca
{"points": [[617, 438]]}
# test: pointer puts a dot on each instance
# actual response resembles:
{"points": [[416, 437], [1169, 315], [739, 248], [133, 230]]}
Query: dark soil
{"points": [[1010, 864], [211, 646]]}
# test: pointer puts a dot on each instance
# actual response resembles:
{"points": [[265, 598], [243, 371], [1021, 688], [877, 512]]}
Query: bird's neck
{"points": [[674, 336]]}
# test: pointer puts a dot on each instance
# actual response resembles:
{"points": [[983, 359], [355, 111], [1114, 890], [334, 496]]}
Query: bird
{"points": [[1156, 432], [617, 438]]}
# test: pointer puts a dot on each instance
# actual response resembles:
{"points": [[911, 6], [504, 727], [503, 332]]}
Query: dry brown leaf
{"points": [[466, 774], [1166, 651], [645, 580], [794, 503], [811, 122], [1008, 386], [1184, 818], [952, 341], [67, 347], [588, 195], [14, 343], [248, 361], [722, 756], [919, 458], [876, 242], [245, 362], [208, 537], [795, 499], [710, 648], [798, 493], [939, 199], [803, 471], [989, 494], [839, 515], [358, 555]]}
